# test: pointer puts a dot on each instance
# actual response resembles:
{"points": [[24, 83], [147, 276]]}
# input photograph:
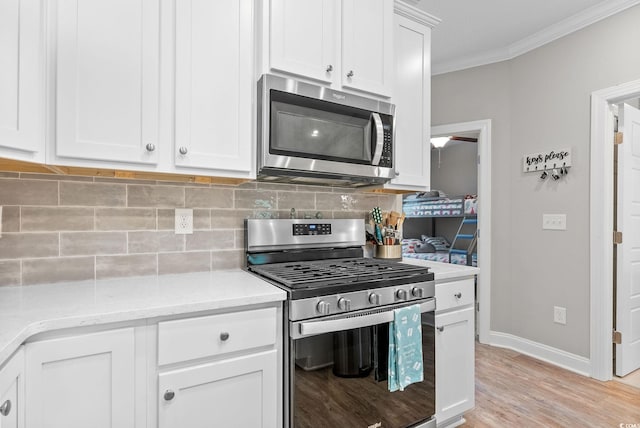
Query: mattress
{"points": [[443, 257]]}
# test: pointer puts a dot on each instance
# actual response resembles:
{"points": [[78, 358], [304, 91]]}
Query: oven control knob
{"points": [[402, 294], [344, 304], [323, 307], [374, 298], [417, 292]]}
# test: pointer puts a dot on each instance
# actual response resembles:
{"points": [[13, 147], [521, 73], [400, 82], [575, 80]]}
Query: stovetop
{"points": [[323, 277]]}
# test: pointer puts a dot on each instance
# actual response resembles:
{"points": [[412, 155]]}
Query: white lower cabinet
{"points": [[455, 351], [12, 392], [221, 370], [235, 392], [81, 381]]}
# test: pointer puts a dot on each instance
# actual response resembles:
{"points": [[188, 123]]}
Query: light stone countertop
{"points": [[29, 310], [445, 271]]}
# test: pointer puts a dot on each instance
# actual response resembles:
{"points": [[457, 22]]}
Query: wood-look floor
{"points": [[514, 390]]}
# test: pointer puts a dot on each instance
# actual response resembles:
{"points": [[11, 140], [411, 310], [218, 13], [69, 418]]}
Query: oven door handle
{"points": [[312, 328]]}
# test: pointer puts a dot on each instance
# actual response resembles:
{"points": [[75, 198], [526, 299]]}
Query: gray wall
{"points": [[541, 101], [457, 173]]}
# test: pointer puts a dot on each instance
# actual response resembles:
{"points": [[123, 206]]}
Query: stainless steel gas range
{"points": [[336, 324]]}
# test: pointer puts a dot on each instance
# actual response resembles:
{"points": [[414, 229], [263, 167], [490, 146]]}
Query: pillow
{"points": [[425, 247]]}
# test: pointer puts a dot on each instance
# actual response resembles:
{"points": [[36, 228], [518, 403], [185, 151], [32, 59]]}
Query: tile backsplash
{"points": [[65, 228]]}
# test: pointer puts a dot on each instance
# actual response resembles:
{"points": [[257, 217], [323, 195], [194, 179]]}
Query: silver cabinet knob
{"points": [[329, 68], [417, 292], [350, 73], [458, 295], [402, 294], [397, 173], [344, 304], [168, 395], [441, 328], [224, 336], [374, 298], [150, 147], [5, 409], [183, 150], [323, 307]]}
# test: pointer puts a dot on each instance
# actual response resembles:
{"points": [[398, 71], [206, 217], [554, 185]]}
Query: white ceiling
{"points": [[474, 32]]}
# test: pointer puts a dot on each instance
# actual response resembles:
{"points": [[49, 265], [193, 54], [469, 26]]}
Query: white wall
{"points": [[541, 101]]}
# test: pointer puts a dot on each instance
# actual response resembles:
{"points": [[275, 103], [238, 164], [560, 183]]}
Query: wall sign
{"points": [[554, 159]]}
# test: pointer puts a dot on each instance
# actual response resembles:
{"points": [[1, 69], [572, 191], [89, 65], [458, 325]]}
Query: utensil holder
{"points": [[388, 252]]}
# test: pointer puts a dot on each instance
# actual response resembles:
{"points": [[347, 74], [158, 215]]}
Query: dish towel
{"points": [[405, 348]]}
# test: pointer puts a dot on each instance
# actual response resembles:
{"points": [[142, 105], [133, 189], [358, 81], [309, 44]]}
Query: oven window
{"points": [[340, 379], [304, 127]]}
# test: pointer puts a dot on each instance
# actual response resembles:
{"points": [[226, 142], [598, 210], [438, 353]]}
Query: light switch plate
{"points": [[554, 221]]}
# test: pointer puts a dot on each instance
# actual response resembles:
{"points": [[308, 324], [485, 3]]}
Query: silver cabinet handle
{"points": [[458, 295], [441, 328], [168, 395], [183, 150], [350, 73], [224, 336], [329, 68], [150, 147], [5, 409]]}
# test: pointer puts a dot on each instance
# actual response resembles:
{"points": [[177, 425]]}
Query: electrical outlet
{"points": [[559, 315], [554, 221], [184, 221]]}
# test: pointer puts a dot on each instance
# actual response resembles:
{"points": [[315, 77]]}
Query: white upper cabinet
{"points": [[345, 44], [303, 38], [367, 45], [21, 80], [412, 98], [214, 84], [107, 79]]}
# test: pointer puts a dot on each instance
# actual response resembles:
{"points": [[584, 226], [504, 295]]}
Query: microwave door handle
{"points": [[313, 328], [379, 133]]}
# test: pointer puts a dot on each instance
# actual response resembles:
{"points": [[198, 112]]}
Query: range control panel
{"points": [[311, 229]]}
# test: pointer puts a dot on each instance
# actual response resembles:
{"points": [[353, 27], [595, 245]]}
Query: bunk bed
{"points": [[459, 248]]}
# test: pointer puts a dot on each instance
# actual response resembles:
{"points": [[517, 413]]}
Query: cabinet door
{"points": [[367, 44], [82, 381], [303, 38], [214, 84], [21, 80], [412, 98], [107, 79], [12, 392], [238, 392], [455, 359]]}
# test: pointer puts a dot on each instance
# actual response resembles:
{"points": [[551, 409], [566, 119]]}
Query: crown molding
{"points": [[567, 26], [413, 13]]}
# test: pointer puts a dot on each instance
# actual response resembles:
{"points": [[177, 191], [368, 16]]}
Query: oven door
{"points": [[337, 373]]}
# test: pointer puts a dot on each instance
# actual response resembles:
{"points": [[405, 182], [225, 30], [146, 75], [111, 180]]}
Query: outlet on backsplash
{"points": [[184, 221]]}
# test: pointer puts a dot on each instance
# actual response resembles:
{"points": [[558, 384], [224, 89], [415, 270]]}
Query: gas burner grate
{"points": [[334, 272]]}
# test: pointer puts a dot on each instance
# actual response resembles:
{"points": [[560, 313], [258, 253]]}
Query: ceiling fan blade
{"points": [[467, 139]]}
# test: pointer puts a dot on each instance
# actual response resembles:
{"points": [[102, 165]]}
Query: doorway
{"points": [[602, 222], [481, 128]]}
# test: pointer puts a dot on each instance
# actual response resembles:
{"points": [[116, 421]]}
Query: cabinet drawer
{"points": [[192, 338], [454, 294]]}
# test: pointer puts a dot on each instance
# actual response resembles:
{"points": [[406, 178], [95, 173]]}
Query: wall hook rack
{"points": [[554, 163]]}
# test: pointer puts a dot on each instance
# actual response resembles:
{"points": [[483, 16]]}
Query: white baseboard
{"points": [[558, 357]]}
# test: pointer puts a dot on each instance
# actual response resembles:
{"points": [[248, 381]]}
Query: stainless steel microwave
{"points": [[313, 134]]}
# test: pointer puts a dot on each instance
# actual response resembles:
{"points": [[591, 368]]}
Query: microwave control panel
{"points": [[386, 160], [311, 229]]}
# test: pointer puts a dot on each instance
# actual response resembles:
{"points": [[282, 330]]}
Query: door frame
{"points": [[601, 225], [483, 127]]}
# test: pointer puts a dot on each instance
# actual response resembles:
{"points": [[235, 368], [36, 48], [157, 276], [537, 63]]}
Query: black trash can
{"points": [[352, 352]]}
